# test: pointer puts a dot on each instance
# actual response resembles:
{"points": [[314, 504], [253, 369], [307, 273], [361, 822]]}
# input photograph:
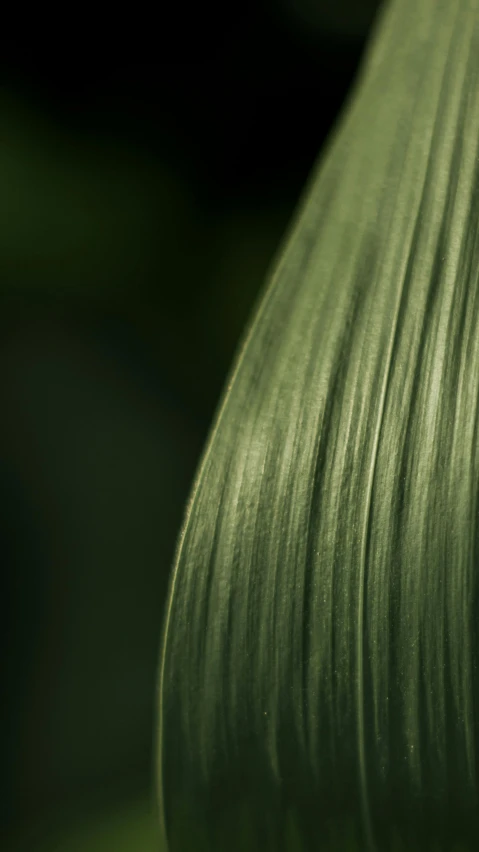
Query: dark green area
{"points": [[137, 224]]}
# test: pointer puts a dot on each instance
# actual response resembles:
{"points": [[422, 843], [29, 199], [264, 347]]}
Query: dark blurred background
{"points": [[148, 171]]}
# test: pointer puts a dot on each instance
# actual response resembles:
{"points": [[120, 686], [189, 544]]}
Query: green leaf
{"points": [[320, 652]]}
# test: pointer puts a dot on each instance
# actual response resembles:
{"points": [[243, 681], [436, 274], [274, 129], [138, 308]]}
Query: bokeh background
{"points": [[147, 176]]}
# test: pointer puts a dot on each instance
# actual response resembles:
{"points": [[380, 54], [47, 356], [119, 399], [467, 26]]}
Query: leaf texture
{"points": [[319, 679]]}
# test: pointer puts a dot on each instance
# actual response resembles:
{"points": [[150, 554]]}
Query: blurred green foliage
{"points": [[122, 298], [131, 826], [125, 284]]}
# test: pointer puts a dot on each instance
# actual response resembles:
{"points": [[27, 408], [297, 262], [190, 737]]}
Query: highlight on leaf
{"points": [[319, 671]]}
